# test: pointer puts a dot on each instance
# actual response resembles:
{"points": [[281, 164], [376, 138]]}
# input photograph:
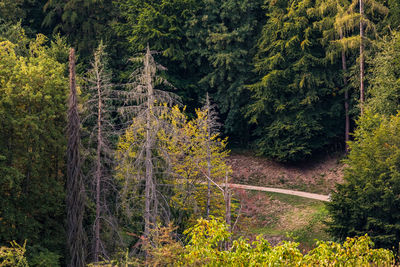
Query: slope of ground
{"points": [[277, 216], [316, 176]]}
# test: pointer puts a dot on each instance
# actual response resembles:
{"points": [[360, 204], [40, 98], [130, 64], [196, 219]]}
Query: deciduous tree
{"points": [[33, 93]]}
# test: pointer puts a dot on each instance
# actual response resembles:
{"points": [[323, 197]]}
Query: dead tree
{"points": [[227, 199], [212, 126], [98, 107], [143, 103], [75, 187]]}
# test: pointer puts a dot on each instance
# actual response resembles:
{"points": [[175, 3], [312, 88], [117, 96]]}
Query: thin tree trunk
{"points": [[98, 171], [346, 99], [75, 188], [148, 161], [227, 196], [362, 57], [208, 156], [227, 204]]}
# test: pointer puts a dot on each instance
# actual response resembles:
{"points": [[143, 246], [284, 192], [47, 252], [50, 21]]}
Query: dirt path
{"points": [[281, 191]]}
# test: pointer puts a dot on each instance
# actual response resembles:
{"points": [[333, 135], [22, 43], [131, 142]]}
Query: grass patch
{"points": [[294, 218]]}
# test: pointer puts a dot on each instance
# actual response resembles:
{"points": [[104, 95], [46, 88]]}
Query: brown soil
{"points": [[314, 177], [259, 210]]}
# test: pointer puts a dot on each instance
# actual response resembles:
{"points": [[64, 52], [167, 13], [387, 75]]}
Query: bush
{"points": [[207, 246]]}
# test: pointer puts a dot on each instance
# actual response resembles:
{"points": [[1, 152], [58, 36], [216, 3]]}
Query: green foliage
{"points": [[163, 25], [11, 11], [32, 144], [39, 256], [205, 251], [384, 78], [222, 39], [13, 256], [206, 247], [183, 146], [83, 22], [353, 252], [163, 249], [294, 107], [368, 200], [159, 23], [194, 154]]}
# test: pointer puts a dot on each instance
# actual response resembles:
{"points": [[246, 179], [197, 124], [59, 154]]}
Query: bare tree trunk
{"points": [[227, 197], [208, 156], [362, 57], [148, 161], [98, 170], [227, 203], [346, 99], [75, 188]]}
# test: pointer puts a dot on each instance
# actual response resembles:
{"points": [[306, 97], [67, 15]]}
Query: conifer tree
{"points": [[347, 21], [367, 201], [329, 12], [384, 77], [83, 22], [98, 107], [294, 105], [142, 102], [222, 38]]}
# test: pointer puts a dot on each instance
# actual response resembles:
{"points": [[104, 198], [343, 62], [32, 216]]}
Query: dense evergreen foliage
{"points": [[367, 202], [295, 103]]}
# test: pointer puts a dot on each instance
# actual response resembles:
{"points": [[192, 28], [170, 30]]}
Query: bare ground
{"points": [[318, 176], [274, 217]]}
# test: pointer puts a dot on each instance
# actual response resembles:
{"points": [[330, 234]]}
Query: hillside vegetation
{"points": [[118, 118]]}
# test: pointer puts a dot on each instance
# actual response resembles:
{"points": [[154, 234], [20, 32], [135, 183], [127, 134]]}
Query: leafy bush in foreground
{"points": [[208, 241]]}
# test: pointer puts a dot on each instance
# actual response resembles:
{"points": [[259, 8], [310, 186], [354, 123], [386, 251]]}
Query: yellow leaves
{"points": [[305, 43], [14, 255], [36, 47], [349, 42], [188, 150]]}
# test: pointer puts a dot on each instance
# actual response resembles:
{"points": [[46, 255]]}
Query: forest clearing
{"points": [[280, 216]]}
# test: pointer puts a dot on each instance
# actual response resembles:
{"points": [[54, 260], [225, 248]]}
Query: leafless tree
{"points": [[75, 186], [98, 109], [212, 128], [143, 101]]}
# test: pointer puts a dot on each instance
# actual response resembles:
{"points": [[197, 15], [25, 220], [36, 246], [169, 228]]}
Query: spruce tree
{"points": [[101, 129], [367, 202], [143, 103], [222, 37], [294, 105]]}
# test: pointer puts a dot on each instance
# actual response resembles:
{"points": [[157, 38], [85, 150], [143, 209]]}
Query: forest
{"points": [[125, 124]]}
